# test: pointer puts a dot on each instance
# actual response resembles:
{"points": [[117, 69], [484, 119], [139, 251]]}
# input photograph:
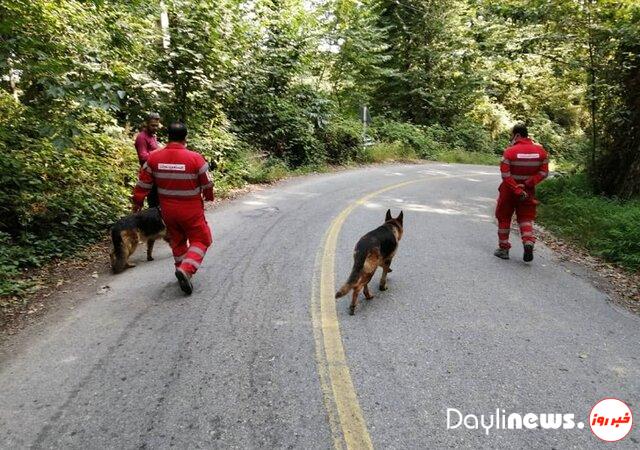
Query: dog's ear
{"points": [[401, 216], [388, 216]]}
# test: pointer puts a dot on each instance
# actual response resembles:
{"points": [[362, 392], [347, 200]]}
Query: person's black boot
{"points": [[502, 253], [185, 282], [528, 252]]}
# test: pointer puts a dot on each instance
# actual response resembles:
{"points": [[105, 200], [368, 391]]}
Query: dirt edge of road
{"points": [[622, 286]]}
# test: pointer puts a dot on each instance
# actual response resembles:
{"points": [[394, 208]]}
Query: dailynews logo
{"points": [[514, 421], [610, 420]]}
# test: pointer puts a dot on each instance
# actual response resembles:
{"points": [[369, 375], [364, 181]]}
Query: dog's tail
{"points": [[358, 264], [117, 264]]}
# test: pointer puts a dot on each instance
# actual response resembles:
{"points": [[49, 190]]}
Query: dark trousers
{"points": [[152, 198]]}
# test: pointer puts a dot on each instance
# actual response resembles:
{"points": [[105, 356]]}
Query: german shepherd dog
{"points": [[376, 248], [145, 225]]}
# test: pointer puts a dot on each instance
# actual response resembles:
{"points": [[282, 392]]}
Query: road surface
{"points": [[261, 356]]}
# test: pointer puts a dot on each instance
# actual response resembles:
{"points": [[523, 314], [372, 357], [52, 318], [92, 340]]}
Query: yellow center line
{"points": [[347, 423], [348, 426]]}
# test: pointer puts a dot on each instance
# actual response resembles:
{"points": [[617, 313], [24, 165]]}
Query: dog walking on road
{"points": [[146, 225], [375, 249]]}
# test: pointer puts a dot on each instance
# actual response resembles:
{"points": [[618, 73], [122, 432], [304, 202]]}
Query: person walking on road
{"points": [[182, 178], [524, 165], [146, 143]]}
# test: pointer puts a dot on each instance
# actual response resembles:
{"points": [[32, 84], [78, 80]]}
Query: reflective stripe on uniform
{"points": [[208, 185], [175, 176], [504, 230], [506, 174], [503, 241], [526, 224], [506, 161], [193, 262], [543, 173], [197, 250], [179, 193], [144, 185], [179, 258], [521, 177], [526, 234], [203, 169], [146, 168]]}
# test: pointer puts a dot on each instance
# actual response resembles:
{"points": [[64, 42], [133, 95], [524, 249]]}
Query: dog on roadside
{"points": [[375, 249], [146, 225]]}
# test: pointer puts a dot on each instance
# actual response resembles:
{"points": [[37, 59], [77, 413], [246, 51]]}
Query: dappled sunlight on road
{"points": [[483, 199], [476, 208], [394, 174], [484, 172], [435, 172], [253, 203], [426, 208]]}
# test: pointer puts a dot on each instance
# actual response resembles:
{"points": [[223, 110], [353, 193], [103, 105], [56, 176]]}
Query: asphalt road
{"points": [[257, 358]]}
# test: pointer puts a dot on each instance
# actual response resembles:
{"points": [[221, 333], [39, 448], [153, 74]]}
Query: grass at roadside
{"points": [[463, 157], [383, 152], [605, 227]]}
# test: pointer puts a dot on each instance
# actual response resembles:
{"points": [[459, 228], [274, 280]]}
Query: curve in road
{"points": [[238, 364]]}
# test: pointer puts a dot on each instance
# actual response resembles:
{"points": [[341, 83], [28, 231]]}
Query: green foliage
{"points": [[459, 156], [606, 227], [270, 88], [563, 145], [617, 168], [468, 136], [351, 67], [342, 139], [430, 56], [430, 141], [11, 257], [53, 201], [215, 141], [267, 171], [285, 126], [388, 151], [409, 135]]}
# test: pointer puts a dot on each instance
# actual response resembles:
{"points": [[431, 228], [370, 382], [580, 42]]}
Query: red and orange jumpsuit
{"points": [[146, 143], [524, 165], [182, 178]]}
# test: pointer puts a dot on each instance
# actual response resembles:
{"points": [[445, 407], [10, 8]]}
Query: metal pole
{"points": [[164, 25], [364, 127]]}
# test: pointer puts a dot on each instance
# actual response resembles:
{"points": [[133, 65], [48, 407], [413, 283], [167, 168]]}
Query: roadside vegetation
{"points": [[270, 89], [607, 227]]}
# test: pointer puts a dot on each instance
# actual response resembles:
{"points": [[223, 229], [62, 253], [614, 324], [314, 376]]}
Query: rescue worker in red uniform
{"points": [[146, 143], [524, 165], [182, 178]]}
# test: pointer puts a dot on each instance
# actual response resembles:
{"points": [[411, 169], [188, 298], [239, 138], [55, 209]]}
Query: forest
{"points": [[274, 87]]}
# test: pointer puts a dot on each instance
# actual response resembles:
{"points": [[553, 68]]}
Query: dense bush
{"points": [[606, 227], [284, 126], [431, 141], [407, 134], [559, 142], [342, 138], [53, 200], [387, 151], [472, 137]]}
